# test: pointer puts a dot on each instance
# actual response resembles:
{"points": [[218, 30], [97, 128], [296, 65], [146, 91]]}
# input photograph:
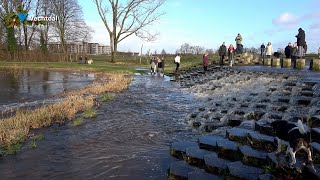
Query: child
{"points": [[231, 54]]}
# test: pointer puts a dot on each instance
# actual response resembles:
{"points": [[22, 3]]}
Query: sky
{"points": [[208, 23]]}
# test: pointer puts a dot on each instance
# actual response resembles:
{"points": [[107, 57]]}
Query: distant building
{"points": [[81, 48]]}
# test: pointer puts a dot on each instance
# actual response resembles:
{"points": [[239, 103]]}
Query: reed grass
{"points": [[89, 113], [15, 129], [78, 122]]}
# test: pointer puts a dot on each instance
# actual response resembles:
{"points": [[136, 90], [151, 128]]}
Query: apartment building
{"points": [[81, 48]]}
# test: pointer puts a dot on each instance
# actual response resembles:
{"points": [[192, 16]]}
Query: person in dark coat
{"points": [[287, 51], [305, 48], [222, 53], [262, 49], [301, 41]]}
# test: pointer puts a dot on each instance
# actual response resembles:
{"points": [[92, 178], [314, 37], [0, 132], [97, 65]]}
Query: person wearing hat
{"points": [[301, 41], [239, 43]]}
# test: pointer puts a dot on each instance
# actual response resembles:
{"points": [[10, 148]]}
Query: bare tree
{"points": [[131, 18], [70, 26]]}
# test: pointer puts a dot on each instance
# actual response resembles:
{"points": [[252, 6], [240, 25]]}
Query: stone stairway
{"points": [[240, 154]]}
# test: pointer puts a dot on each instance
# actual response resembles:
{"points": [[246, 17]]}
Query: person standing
{"points": [[231, 54], [239, 43], [287, 51], [294, 54], [262, 49], [269, 50], [319, 52], [205, 60], [177, 62], [222, 53], [301, 41]]}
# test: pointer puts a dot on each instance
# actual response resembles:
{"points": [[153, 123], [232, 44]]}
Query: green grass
{"points": [[38, 137], [89, 113], [13, 148], [106, 97], [124, 64], [34, 139], [77, 122]]}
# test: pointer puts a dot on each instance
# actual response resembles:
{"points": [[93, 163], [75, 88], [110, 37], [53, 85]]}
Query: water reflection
{"points": [[29, 85]]}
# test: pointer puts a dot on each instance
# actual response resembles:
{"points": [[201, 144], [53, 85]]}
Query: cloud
{"points": [[286, 19]]}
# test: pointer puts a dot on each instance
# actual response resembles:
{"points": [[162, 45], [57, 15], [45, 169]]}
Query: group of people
{"points": [[298, 50], [231, 51], [157, 65]]}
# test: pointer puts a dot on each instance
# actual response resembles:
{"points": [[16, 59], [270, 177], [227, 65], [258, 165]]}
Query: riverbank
{"points": [[15, 129]]}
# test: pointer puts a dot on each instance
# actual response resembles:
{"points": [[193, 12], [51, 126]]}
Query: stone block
{"points": [[178, 149], [286, 63], [301, 63], [315, 64], [275, 62]]}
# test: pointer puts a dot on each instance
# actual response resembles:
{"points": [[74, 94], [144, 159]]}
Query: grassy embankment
{"points": [[15, 130]]}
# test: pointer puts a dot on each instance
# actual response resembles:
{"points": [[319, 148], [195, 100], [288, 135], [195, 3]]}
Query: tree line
{"points": [[18, 39]]}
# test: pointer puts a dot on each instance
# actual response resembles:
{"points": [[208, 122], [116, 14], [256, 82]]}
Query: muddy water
{"points": [[129, 139], [30, 85]]}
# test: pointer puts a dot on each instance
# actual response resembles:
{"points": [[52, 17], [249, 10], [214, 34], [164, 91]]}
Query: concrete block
{"points": [[301, 63]]}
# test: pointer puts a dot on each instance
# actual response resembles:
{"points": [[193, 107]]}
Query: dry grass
{"points": [[14, 128]]}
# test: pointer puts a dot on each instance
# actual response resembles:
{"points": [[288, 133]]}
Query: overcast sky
{"points": [[208, 23]]}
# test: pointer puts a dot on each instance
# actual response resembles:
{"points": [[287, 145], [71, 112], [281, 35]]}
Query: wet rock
{"points": [[315, 133], [256, 115], [211, 126], [253, 157], [237, 134], [304, 101], [209, 142], [316, 152], [261, 141], [290, 83], [215, 164], [194, 156], [283, 100], [239, 170], [194, 114], [261, 106], [180, 170], [178, 149], [250, 125], [280, 108], [267, 177], [196, 124], [309, 173], [315, 121], [263, 126], [234, 121], [228, 149], [280, 164], [306, 93], [202, 109], [201, 175], [275, 116]]}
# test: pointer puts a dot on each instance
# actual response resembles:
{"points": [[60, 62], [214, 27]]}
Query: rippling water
{"points": [[129, 139], [30, 85]]}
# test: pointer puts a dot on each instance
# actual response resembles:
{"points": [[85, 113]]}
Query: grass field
{"points": [[123, 64]]}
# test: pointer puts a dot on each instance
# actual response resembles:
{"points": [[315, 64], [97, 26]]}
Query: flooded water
{"points": [[26, 85], [30, 88], [129, 139]]}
